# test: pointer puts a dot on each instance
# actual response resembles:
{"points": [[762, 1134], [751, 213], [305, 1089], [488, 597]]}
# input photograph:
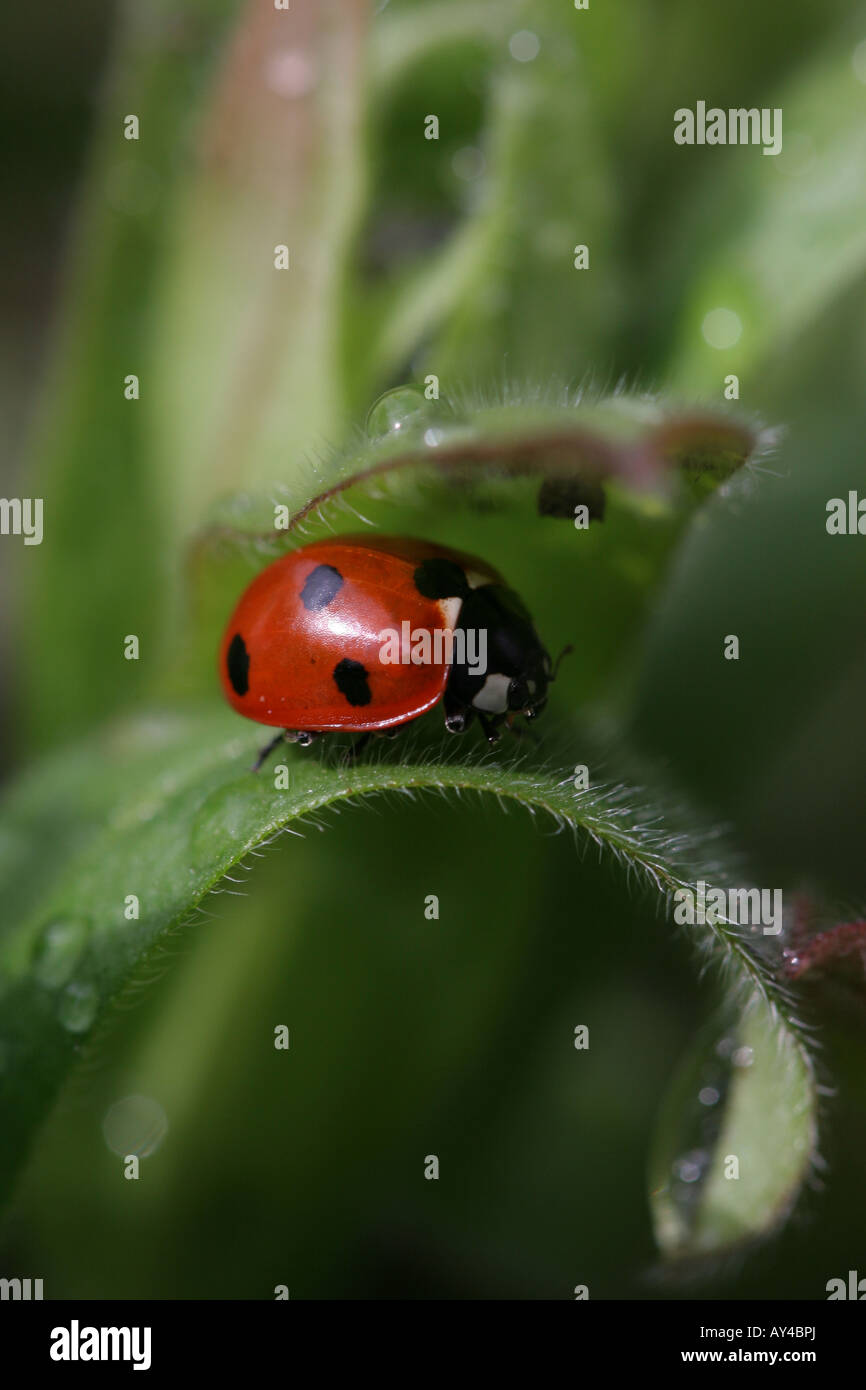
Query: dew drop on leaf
{"points": [[135, 1125], [397, 412], [78, 1004], [692, 1133], [59, 950]]}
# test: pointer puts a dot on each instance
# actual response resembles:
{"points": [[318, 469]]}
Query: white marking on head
{"points": [[492, 698], [476, 580]]}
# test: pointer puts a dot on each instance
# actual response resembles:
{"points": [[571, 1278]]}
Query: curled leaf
{"points": [[736, 1136]]}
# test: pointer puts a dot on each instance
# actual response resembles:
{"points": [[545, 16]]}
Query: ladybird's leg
{"points": [[491, 733], [267, 750], [303, 737], [458, 716], [459, 721]]}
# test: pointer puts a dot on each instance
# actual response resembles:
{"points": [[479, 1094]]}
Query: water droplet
{"points": [[692, 1133], [729, 1083], [58, 951], [135, 1125], [397, 412], [78, 1005], [722, 328], [691, 1166], [524, 46]]}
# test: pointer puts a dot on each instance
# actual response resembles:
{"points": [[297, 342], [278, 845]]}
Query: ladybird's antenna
{"points": [[566, 651]]}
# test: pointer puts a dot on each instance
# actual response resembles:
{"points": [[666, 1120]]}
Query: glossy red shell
{"points": [[291, 650]]}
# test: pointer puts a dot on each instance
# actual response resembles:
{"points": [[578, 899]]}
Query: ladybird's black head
{"points": [[517, 670], [527, 692]]}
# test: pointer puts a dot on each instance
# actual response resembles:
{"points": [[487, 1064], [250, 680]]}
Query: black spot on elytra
{"points": [[350, 678], [440, 578], [321, 587], [238, 665]]}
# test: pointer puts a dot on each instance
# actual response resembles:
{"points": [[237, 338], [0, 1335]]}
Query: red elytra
{"points": [[302, 648]]}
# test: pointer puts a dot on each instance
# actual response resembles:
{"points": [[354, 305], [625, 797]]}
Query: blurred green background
{"points": [[454, 1037]]}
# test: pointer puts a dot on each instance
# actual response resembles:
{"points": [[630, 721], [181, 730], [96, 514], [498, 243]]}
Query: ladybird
{"points": [[365, 634]]}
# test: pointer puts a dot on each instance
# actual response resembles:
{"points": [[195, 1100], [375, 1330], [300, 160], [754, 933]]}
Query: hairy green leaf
{"points": [[169, 812]]}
